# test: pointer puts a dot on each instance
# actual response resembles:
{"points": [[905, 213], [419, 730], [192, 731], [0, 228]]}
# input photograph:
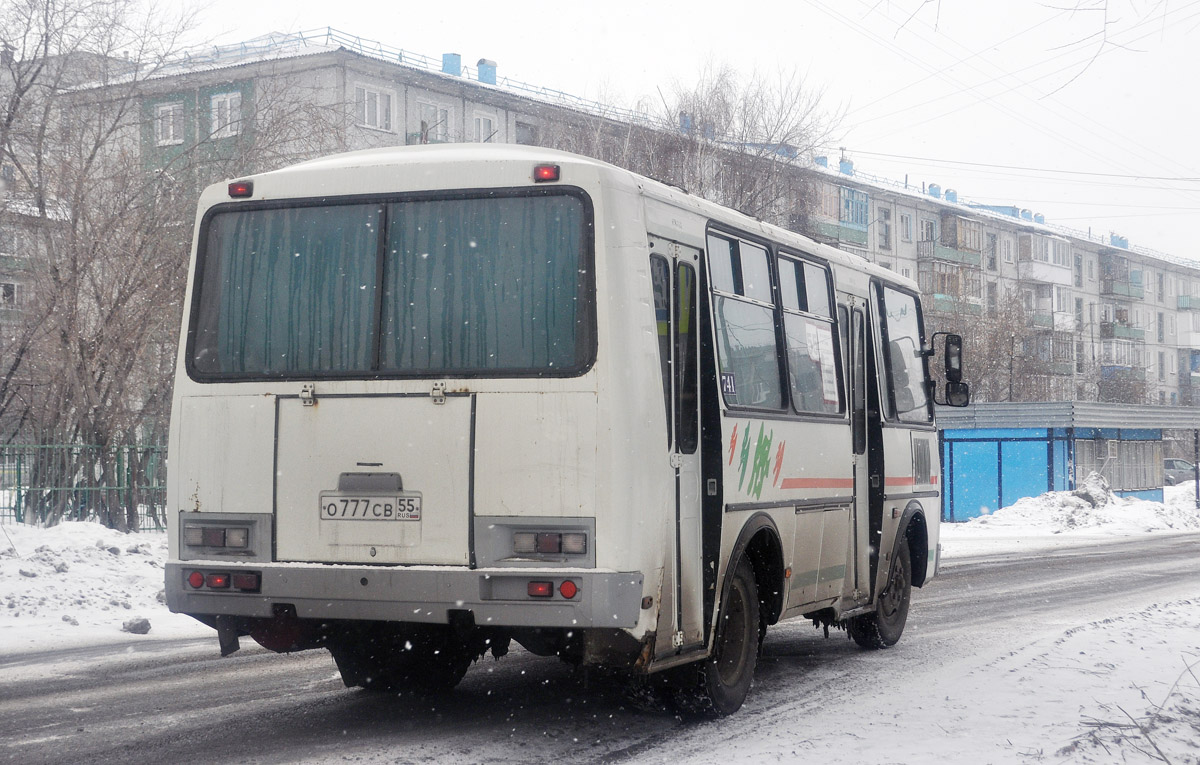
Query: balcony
{"points": [[1121, 288], [1189, 303], [948, 304], [1044, 273], [1111, 330], [837, 232], [1121, 373], [1062, 368], [1042, 319], [935, 251]]}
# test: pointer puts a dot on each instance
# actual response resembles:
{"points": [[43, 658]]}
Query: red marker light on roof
{"points": [[241, 189], [543, 173]]}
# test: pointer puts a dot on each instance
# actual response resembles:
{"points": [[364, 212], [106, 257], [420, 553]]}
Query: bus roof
{"points": [[468, 153]]}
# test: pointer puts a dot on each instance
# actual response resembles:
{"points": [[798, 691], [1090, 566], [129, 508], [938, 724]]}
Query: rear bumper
{"points": [[496, 597]]}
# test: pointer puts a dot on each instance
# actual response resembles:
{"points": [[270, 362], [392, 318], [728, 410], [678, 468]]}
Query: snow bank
{"points": [[1085, 516], [80, 583]]}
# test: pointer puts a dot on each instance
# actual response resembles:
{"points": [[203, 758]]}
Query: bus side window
{"points": [[660, 278], [903, 358], [811, 357], [744, 319]]}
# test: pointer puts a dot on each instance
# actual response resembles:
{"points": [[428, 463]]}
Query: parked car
{"points": [[1177, 471]]}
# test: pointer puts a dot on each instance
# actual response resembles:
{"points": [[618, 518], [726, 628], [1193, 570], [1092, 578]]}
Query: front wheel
{"points": [[884, 626], [717, 686]]}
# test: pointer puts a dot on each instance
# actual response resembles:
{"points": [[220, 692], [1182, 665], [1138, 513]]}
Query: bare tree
{"points": [[739, 141]]}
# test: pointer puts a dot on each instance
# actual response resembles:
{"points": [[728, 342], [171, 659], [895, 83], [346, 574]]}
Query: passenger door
{"points": [[675, 281]]}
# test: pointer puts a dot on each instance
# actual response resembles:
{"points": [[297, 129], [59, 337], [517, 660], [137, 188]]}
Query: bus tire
{"points": [[884, 626], [431, 662], [717, 685]]}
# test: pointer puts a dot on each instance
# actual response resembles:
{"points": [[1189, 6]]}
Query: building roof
{"points": [[1066, 414]]}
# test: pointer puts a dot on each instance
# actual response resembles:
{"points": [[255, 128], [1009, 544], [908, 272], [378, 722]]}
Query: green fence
{"points": [[123, 487]]}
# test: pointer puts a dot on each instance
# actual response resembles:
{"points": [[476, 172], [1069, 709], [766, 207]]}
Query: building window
{"points": [[8, 174], [1078, 270], [8, 295], [884, 221], [928, 230], [435, 123], [1006, 248], [1160, 287], [1161, 324], [1091, 270], [527, 134], [993, 300], [1062, 254], [168, 124], [854, 208], [906, 227], [991, 252], [372, 108], [226, 115], [1078, 314], [485, 128]]}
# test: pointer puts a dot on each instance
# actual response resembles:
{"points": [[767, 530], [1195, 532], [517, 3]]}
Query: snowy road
{"points": [[1005, 659]]}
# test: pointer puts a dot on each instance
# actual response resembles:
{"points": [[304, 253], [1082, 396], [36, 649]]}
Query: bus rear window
{"points": [[494, 285]]}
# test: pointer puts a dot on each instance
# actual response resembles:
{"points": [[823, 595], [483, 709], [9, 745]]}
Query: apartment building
{"points": [[1086, 318], [1089, 318]]}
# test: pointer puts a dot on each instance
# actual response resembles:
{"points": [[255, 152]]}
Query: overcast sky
{"points": [[1096, 133]]}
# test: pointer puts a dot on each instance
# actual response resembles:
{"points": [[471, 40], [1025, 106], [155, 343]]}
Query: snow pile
{"points": [[1089, 514], [82, 583]]}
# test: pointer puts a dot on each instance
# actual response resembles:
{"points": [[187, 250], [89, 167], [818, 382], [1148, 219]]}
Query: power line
{"points": [[1030, 169]]}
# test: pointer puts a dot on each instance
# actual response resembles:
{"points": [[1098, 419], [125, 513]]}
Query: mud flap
{"points": [[227, 635]]}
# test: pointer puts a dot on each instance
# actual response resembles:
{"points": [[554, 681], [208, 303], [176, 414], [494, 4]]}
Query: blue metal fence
{"points": [[123, 487]]}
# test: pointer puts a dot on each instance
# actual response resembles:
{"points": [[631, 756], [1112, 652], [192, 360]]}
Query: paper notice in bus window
{"points": [[829, 389]]}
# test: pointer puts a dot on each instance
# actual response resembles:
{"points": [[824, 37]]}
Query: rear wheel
{"points": [[430, 660], [718, 685], [884, 626]]}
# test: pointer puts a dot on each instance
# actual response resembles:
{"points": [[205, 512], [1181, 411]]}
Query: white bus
{"points": [[431, 400]]}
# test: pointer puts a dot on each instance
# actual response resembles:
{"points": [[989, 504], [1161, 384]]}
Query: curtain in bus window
{"points": [[288, 290], [747, 355], [906, 366], [812, 364], [482, 284]]}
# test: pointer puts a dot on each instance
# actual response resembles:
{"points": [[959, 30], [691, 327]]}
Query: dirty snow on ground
{"points": [[1122, 686], [79, 583], [1088, 515]]}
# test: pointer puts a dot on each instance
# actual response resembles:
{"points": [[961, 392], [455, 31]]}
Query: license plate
{"points": [[370, 507]]}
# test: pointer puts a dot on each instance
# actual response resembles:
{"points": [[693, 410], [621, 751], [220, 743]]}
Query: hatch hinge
{"points": [[676, 461], [439, 393], [677, 640], [308, 394]]}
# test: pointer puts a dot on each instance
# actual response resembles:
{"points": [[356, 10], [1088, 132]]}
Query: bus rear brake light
{"points": [[239, 189], [543, 173], [541, 589], [217, 581], [246, 582]]}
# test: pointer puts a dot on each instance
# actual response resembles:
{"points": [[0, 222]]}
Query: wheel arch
{"points": [[913, 531], [760, 542]]}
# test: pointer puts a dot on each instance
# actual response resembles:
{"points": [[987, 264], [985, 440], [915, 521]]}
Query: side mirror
{"points": [[954, 362], [957, 393]]}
